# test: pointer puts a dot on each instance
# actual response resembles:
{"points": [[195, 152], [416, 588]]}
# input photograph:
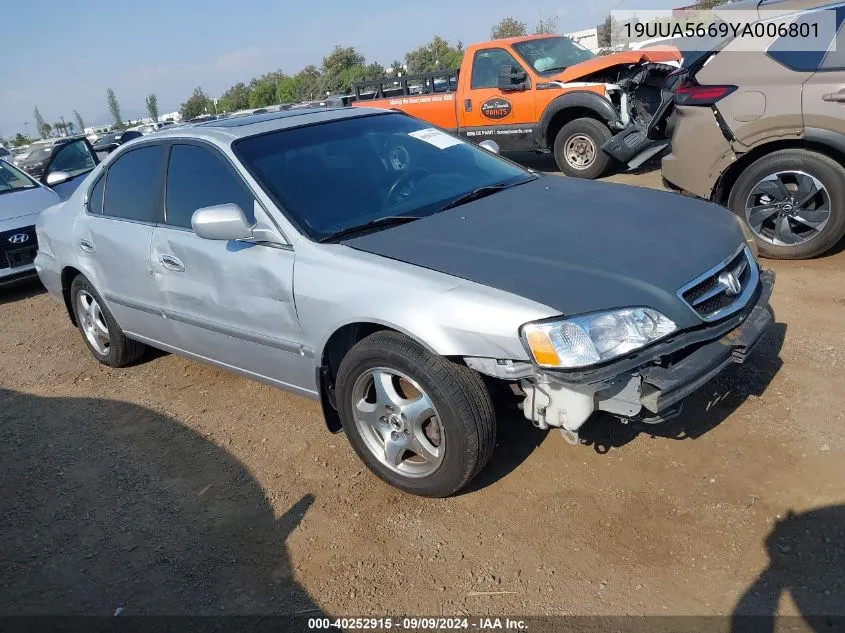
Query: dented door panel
{"points": [[232, 302]]}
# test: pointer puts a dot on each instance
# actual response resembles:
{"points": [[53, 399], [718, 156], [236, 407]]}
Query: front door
{"points": [[823, 96], [229, 302], [487, 112]]}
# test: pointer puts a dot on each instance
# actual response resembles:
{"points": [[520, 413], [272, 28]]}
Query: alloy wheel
{"points": [[93, 323], [398, 422], [788, 208]]}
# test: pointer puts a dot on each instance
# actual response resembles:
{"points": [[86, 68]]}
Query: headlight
{"points": [[594, 338], [749, 235]]}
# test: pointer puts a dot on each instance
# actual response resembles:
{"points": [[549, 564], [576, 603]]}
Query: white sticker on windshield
{"points": [[436, 137]]}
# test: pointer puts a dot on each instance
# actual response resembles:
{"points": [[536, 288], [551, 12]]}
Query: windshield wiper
{"points": [[385, 221], [482, 192]]}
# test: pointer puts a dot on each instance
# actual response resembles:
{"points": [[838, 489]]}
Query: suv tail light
{"points": [[695, 95]]}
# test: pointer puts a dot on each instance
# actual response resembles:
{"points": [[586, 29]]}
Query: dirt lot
{"points": [[172, 487]]}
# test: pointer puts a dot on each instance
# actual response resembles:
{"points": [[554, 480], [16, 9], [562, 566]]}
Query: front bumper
{"points": [[651, 384]]}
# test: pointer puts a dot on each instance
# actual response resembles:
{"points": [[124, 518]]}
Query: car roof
{"points": [[226, 130]]}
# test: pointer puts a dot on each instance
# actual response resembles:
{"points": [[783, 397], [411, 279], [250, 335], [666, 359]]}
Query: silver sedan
{"points": [[401, 275]]}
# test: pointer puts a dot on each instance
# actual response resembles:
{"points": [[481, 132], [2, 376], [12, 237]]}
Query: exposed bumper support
{"points": [[655, 387]]}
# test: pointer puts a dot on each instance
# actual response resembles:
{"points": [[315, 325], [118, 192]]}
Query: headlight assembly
{"points": [[594, 338]]}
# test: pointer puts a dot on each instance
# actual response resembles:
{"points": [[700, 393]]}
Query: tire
{"points": [[464, 418], [822, 168], [597, 133], [119, 351]]}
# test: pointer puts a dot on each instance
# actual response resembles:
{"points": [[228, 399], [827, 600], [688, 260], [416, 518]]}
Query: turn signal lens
{"points": [[542, 349]]}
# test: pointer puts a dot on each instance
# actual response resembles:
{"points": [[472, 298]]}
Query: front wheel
{"points": [[578, 148], [420, 422]]}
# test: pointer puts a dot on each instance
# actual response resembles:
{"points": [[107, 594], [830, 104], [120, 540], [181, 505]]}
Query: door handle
{"points": [[835, 97], [172, 263], [87, 245], [467, 105]]}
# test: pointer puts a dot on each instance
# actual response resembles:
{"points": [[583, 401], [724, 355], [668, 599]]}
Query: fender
{"points": [[579, 99]]}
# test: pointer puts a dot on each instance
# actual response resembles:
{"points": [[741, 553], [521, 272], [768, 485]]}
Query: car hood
{"points": [[655, 54], [574, 245], [17, 206]]}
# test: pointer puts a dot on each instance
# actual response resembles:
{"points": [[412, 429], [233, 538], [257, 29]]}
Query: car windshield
{"points": [[13, 179], [552, 54], [39, 153], [342, 174]]}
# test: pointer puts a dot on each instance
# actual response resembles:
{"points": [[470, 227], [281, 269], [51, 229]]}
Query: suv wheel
{"points": [[100, 331], [794, 202], [420, 422], [578, 151]]}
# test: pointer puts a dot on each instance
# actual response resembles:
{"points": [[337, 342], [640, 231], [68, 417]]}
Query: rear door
{"points": [[487, 112], [113, 238], [823, 97], [230, 302]]}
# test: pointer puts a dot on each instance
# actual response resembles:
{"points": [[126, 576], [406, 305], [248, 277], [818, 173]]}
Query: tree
{"points": [[196, 105], [396, 68], [508, 27], [336, 69], [114, 108], [40, 123], [436, 55], [610, 33], [546, 25], [79, 122], [235, 98], [308, 81], [708, 4], [287, 90], [152, 106], [59, 127], [262, 90], [20, 140]]}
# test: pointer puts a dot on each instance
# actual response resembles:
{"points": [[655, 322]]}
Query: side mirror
{"points": [[58, 177], [490, 146], [512, 78], [221, 222]]}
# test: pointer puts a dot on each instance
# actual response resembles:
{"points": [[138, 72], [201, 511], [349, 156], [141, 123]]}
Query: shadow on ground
{"points": [[107, 506], [703, 410], [19, 292], [807, 561]]}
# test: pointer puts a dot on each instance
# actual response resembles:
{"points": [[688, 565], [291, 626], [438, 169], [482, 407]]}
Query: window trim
{"points": [[107, 169], [496, 48], [101, 176]]}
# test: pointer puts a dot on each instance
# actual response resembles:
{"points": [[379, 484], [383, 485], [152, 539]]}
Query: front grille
{"points": [[723, 289], [18, 253]]}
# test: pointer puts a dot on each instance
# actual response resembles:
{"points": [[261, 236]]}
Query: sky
{"points": [[62, 56]]}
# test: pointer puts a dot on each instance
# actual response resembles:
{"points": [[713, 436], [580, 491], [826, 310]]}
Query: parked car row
{"points": [[423, 289]]}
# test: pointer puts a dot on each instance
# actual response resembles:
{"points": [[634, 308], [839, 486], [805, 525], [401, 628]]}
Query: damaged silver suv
{"points": [[288, 247]]}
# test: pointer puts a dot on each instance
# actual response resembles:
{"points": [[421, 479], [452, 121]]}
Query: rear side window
{"points": [[132, 186], [197, 178], [783, 49], [95, 200], [835, 59]]}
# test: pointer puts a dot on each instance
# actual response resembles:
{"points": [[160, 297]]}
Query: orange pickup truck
{"points": [[537, 93]]}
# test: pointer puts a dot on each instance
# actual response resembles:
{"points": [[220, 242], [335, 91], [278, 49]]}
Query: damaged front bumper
{"points": [[649, 386]]}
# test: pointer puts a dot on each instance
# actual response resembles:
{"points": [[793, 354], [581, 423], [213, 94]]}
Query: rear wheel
{"points": [[577, 148], [793, 201], [100, 331], [420, 422]]}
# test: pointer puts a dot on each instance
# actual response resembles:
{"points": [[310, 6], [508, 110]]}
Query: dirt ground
{"points": [[172, 487]]}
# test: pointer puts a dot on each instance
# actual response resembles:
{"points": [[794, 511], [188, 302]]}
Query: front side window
{"points": [[552, 54], [342, 174], [132, 185], [196, 178], [486, 66], [13, 179], [73, 158]]}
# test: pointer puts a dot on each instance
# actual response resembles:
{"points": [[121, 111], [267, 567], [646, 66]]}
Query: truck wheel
{"points": [[794, 202], [420, 422], [578, 150], [100, 331]]}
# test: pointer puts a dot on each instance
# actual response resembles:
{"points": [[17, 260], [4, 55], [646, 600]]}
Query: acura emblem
{"points": [[19, 238], [730, 283]]}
